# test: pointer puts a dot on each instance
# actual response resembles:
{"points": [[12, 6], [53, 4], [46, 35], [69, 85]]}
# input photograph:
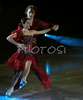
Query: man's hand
{"points": [[55, 27]]}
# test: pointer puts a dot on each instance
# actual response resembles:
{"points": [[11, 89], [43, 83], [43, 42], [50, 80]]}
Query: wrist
{"points": [[17, 44]]}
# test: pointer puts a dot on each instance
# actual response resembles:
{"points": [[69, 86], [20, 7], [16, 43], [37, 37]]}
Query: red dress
{"points": [[37, 23], [18, 59]]}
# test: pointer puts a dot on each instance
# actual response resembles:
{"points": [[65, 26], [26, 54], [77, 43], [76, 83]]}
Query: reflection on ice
{"points": [[13, 98], [47, 68]]}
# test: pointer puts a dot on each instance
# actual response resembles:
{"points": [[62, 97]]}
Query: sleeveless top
{"points": [[26, 40]]}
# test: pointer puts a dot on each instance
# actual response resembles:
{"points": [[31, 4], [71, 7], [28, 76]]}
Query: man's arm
{"points": [[45, 25]]}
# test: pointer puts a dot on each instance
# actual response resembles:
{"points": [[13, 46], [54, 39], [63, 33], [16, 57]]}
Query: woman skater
{"points": [[22, 60]]}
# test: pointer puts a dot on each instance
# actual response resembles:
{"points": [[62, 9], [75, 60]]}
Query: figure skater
{"points": [[22, 60], [35, 24]]}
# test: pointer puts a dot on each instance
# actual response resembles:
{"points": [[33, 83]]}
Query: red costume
{"points": [[17, 60], [37, 23]]}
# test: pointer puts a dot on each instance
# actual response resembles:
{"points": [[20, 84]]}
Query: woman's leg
{"points": [[17, 84], [15, 78], [14, 81], [27, 68], [25, 73]]}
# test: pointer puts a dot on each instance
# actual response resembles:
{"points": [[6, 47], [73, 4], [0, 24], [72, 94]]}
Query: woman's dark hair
{"points": [[30, 7], [23, 20]]}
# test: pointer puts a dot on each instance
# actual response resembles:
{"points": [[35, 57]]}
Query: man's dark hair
{"points": [[30, 7]]}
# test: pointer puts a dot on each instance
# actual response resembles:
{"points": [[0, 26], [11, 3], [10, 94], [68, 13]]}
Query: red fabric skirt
{"points": [[17, 63]]}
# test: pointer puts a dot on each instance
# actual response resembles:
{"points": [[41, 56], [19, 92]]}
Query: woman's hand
{"points": [[24, 48], [21, 46], [55, 27]]}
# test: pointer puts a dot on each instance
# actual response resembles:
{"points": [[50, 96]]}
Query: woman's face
{"points": [[27, 24], [30, 13]]}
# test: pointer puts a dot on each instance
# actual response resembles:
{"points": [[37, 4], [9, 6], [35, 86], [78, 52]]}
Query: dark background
{"points": [[67, 14]]}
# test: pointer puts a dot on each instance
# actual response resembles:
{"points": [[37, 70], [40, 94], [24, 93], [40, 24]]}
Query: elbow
{"points": [[8, 38]]}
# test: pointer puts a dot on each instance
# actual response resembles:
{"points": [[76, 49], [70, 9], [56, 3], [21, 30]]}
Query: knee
{"points": [[28, 62]]}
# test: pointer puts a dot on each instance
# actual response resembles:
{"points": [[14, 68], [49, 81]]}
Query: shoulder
{"points": [[20, 27], [19, 32], [14, 31]]}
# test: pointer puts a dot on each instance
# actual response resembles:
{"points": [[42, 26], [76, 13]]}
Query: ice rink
{"points": [[66, 76]]}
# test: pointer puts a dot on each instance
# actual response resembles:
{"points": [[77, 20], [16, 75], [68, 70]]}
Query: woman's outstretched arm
{"points": [[43, 31]]}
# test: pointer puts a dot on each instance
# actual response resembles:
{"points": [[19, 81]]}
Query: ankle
{"points": [[24, 78], [11, 86]]}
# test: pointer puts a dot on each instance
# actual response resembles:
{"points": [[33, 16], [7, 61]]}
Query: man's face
{"points": [[30, 13]]}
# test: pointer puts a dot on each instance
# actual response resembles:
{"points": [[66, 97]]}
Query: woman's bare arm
{"points": [[41, 32], [10, 39]]}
